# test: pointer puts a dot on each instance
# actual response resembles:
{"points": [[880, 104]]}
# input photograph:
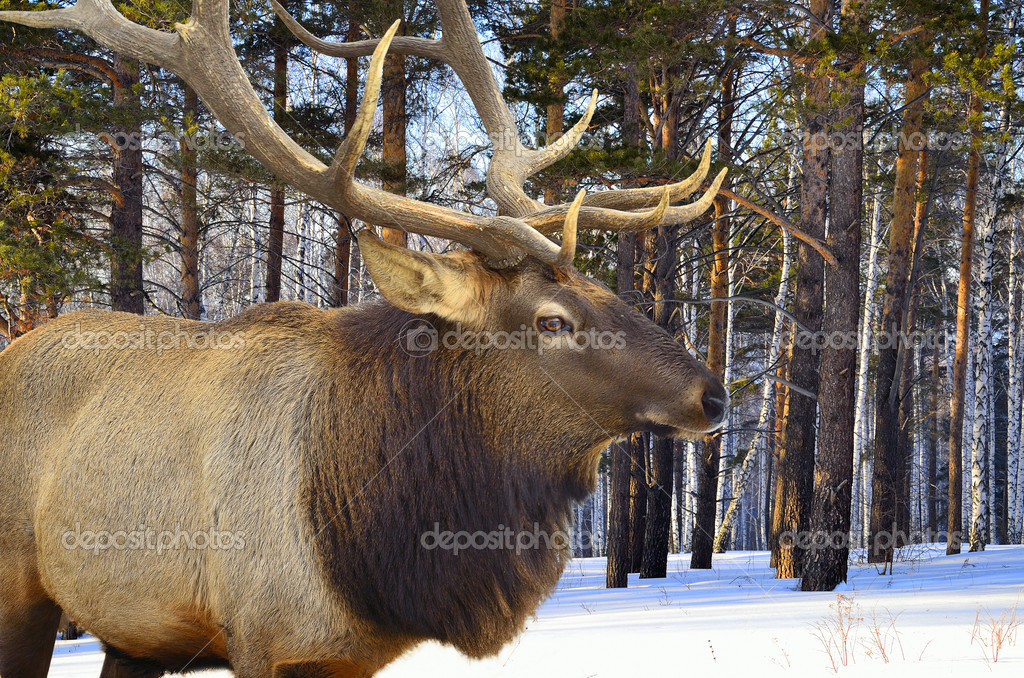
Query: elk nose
{"points": [[714, 407]]}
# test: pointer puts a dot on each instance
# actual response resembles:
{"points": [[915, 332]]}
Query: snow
{"points": [[935, 616]]}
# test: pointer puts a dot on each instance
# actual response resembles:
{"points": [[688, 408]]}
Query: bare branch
{"points": [[99, 20], [784, 224], [92, 66]]}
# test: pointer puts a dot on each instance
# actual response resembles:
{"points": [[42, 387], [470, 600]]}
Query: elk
{"points": [[323, 442]]}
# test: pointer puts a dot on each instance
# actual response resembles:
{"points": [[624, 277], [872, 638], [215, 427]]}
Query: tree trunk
{"points": [[654, 562], [702, 541], [981, 438], [889, 482], [794, 479], [983, 469], [619, 491], [1015, 391], [555, 111], [659, 510], [395, 179], [275, 244], [963, 326], [931, 474], [302, 254], [343, 234], [191, 297], [126, 291], [638, 488], [678, 481], [956, 412], [777, 424], [825, 566], [860, 434]]}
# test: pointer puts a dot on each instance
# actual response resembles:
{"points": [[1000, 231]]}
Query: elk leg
{"points": [[28, 630], [117, 665]]}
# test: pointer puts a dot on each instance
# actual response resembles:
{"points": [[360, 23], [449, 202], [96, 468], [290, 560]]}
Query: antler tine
{"points": [[343, 167], [200, 52], [567, 252], [214, 16], [556, 150], [524, 237], [500, 238], [409, 46], [459, 47], [603, 219], [642, 198]]}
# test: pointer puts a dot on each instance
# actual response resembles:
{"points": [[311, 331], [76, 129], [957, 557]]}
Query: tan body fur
{"points": [[69, 461], [318, 440]]}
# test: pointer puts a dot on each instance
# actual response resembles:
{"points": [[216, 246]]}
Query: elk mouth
{"points": [[669, 431], [714, 410]]}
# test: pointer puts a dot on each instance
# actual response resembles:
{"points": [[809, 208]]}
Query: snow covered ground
{"points": [[936, 616]]}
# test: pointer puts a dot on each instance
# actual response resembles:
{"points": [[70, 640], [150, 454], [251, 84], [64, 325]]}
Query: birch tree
{"points": [[759, 443], [862, 404], [1015, 392]]}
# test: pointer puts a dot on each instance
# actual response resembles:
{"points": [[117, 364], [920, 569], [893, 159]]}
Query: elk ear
{"points": [[419, 282]]}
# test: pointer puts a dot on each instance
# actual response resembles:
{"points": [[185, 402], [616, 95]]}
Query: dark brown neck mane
{"points": [[403, 446]]}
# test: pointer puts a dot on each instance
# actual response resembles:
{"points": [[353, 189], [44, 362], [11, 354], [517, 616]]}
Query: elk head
{"points": [[515, 277], [600, 360]]}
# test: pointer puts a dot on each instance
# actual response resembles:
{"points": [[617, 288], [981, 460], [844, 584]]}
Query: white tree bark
{"points": [[759, 443], [693, 448], [1015, 391], [255, 274], [983, 443], [861, 416], [302, 254], [728, 443], [968, 435]]}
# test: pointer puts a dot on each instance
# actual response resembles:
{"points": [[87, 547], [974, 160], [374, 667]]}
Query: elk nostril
{"points": [[714, 408]]}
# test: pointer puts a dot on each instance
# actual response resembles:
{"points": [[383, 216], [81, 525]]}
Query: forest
{"points": [[857, 285]]}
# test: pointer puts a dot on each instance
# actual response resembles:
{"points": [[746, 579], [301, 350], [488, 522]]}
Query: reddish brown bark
{"points": [[126, 292], [794, 480], [191, 298], [275, 243]]}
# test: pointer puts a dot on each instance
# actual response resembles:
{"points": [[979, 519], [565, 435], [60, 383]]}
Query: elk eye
{"points": [[553, 324]]}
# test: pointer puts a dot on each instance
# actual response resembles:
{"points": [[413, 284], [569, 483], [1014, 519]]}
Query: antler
{"points": [[200, 52]]}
